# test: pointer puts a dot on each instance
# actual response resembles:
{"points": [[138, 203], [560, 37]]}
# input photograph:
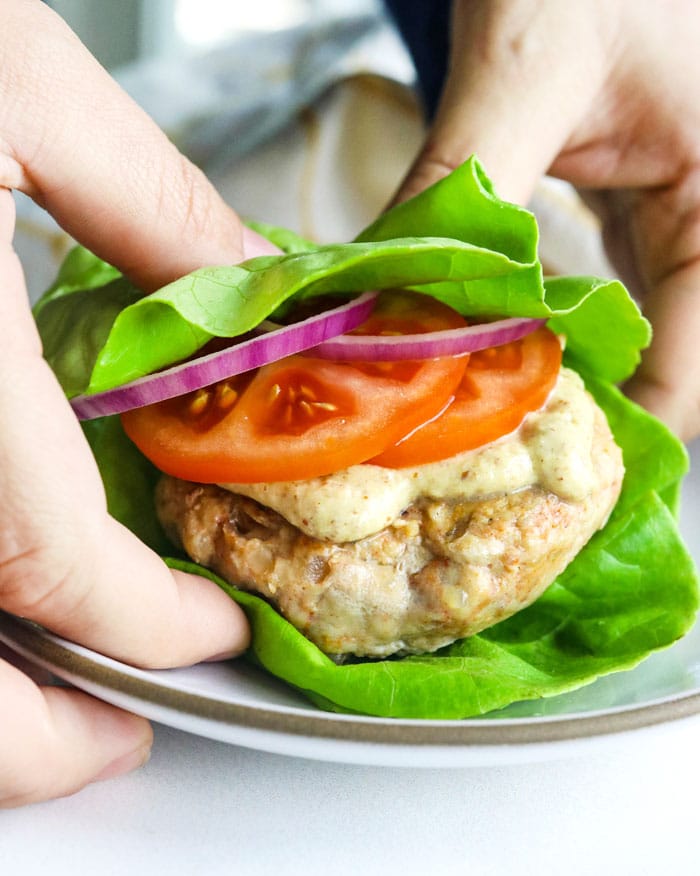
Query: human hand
{"points": [[73, 141], [602, 93]]}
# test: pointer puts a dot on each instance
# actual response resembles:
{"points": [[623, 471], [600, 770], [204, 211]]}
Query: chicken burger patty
{"points": [[375, 561]]}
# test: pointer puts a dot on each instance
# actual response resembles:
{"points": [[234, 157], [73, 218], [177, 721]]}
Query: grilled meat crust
{"points": [[442, 571]]}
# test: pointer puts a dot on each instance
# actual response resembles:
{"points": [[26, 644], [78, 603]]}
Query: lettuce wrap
{"points": [[632, 590]]}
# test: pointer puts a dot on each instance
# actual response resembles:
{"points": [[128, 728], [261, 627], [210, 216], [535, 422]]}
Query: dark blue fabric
{"points": [[424, 27]]}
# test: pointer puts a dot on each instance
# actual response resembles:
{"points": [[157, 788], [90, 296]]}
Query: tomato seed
{"points": [[306, 408], [200, 402], [226, 396], [306, 392]]}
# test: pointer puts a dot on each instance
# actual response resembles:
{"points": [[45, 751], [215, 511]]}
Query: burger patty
{"points": [[443, 570]]}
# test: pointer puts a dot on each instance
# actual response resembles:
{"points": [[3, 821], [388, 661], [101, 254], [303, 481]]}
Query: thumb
{"points": [[522, 74]]}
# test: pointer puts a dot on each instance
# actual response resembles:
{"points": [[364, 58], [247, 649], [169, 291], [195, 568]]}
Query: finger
{"points": [[522, 75], [667, 382], [63, 561], [653, 238], [76, 143], [37, 673], [53, 740], [255, 244]]}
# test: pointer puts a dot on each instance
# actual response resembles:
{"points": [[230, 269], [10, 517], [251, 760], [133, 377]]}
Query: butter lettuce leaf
{"points": [[605, 332], [75, 326], [174, 322], [655, 460], [80, 270], [129, 480], [456, 241], [462, 205]]}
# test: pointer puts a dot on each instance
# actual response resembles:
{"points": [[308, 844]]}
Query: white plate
{"points": [[236, 703]]}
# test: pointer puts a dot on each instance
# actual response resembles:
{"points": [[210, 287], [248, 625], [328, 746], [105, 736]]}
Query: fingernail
{"points": [[125, 763]]}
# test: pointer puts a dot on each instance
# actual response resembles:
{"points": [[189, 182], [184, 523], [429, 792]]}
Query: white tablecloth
{"points": [[202, 807]]}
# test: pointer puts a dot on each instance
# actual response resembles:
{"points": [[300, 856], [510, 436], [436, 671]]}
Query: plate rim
{"points": [[73, 662]]}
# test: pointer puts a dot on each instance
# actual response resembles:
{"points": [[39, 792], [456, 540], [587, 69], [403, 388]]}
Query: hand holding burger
{"points": [[75, 143], [602, 94]]}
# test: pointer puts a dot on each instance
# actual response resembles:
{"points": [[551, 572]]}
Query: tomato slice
{"points": [[302, 417], [499, 387]]}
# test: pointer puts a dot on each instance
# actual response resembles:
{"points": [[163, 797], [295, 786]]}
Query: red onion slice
{"points": [[430, 345], [195, 374]]}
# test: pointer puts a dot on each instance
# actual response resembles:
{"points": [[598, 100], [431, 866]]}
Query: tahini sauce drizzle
{"points": [[551, 449]]}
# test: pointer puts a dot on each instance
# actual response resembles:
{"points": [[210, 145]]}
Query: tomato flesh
{"points": [[499, 387], [303, 417]]}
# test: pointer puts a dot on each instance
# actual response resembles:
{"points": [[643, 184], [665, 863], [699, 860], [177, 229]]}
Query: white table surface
{"points": [[622, 805], [206, 807]]}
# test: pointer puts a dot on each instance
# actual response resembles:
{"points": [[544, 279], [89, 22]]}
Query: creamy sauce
{"points": [[551, 449]]}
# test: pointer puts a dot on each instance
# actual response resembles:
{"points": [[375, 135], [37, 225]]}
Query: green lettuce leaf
{"points": [[483, 263], [604, 330], [655, 460], [74, 331], [129, 480], [177, 320], [464, 206], [632, 590], [80, 270]]}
